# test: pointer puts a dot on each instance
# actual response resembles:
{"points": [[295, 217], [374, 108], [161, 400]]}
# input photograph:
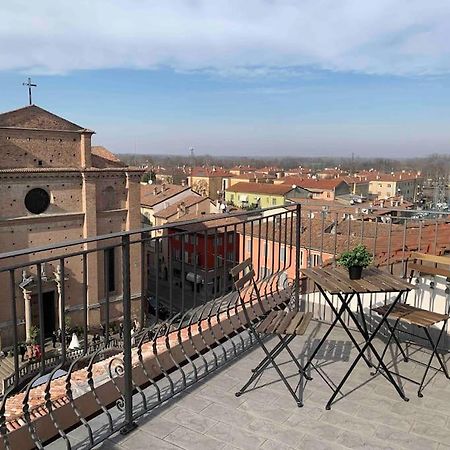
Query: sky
{"points": [[253, 78]]}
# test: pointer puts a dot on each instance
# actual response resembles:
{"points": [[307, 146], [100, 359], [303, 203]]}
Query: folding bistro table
{"points": [[335, 282]]}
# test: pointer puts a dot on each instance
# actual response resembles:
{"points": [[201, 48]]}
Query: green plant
{"points": [[359, 256], [34, 334]]}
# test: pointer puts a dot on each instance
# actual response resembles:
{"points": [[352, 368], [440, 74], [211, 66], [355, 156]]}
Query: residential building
{"points": [[203, 253], [359, 186], [192, 205], [55, 188], [209, 181], [408, 185], [155, 198], [324, 189], [263, 195], [252, 177]]}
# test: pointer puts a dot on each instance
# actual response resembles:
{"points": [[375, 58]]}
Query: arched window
{"points": [[109, 198]]}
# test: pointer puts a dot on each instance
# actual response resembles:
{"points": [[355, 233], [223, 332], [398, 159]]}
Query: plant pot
{"points": [[355, 272]]}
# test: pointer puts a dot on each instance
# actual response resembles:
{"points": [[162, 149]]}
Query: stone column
{"points": [[85, 149], [27, 300], [58, 282], [89, 195]]}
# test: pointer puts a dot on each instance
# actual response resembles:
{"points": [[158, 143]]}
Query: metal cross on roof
{"points": [[30, 85]]}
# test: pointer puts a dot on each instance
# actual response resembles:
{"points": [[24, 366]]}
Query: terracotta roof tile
{"points": [[34, 117], [187, 202], [260, 188], [152, 194], [103, 158]]}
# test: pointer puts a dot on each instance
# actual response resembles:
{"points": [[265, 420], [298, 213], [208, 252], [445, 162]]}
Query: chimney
{"points": [[381, 203], [197, 207], [179, 213], [402, 199], [183, 182], [155, 190], [163, 187]]}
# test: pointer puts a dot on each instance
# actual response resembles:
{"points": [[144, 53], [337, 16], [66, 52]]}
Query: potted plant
{"points": [[355, 260]]}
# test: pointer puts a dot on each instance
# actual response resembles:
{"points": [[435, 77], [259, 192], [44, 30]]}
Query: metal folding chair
{"points": [[263, 322], [421, 318]]}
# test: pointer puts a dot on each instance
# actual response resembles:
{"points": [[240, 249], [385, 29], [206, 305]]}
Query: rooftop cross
{"points": [[30, 85]]}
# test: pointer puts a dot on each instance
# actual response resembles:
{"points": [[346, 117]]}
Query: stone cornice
{"points": [[41, 218]]}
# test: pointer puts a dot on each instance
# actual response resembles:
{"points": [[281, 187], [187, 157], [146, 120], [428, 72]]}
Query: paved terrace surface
{"points": [[371, 415]]}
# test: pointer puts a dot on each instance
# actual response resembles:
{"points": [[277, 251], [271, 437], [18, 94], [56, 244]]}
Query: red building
{"points": [[204, 252]]}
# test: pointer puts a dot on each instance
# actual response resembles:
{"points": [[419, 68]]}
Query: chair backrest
{"points": [[244, 281], [425, 264]]}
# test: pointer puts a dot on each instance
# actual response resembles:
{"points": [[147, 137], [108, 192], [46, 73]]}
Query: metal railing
{"points": [[154, 310]]}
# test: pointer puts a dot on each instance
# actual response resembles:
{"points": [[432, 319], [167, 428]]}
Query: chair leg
{"points": [[273, 353], [300, 368], [434, 352], [271, 360], [385, 348], [394, 336]]}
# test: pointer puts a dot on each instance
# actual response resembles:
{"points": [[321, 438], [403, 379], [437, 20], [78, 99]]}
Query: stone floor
{"points": [[370, 414]]}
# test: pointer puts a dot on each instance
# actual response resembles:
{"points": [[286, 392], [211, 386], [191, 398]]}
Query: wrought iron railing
{"points": [[154, 310]]}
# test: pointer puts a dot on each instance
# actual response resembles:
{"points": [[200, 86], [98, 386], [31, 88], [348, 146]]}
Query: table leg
{"points": [[338, 318]]}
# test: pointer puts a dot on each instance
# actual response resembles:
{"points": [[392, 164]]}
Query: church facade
{"points": [[55, 187]]}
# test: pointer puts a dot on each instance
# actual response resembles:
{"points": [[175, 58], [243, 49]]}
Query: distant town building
{"points": [[263, 195], [325, 189], [407, 185], [156, 197], [209, 181]]}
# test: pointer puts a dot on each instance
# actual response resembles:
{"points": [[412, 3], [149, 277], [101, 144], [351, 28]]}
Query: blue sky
{"points": [[271, 78]]}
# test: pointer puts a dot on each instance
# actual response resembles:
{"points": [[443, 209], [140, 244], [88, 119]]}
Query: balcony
{"points": [[171, 359]]}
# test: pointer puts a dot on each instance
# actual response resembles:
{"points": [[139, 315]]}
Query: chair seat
{"points": [[285, 322], [412, 315]]}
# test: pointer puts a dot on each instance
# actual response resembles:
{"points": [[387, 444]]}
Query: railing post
{"points": [[297, 255], [126, 293]]}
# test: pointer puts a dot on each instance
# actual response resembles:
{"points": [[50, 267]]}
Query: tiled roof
{"points": [[209, 172], [152, 194], [260, 188], [103, 158], [310, 183], [387, 251], [187, 202], [34, 117]]}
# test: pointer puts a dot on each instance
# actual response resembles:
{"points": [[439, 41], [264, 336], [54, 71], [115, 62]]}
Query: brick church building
{"points": [[55, 187]]}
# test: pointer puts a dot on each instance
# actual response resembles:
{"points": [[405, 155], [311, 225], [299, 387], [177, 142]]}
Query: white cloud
{"points": [[232, 37]]}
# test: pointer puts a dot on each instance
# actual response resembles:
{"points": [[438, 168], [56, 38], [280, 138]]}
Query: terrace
{"points": [[175, 374]]}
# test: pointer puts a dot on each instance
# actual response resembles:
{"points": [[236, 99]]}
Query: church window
{"points": [[37, 200]]}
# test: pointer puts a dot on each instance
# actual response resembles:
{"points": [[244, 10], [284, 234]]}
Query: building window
{"points": [[194, 239], [218, 240], [283, 254], [315, 260], [274, 201], [230, 257], [111, 262], [186, 238], [186, 257], [249, 245], [37, 200], [230, 238]]}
